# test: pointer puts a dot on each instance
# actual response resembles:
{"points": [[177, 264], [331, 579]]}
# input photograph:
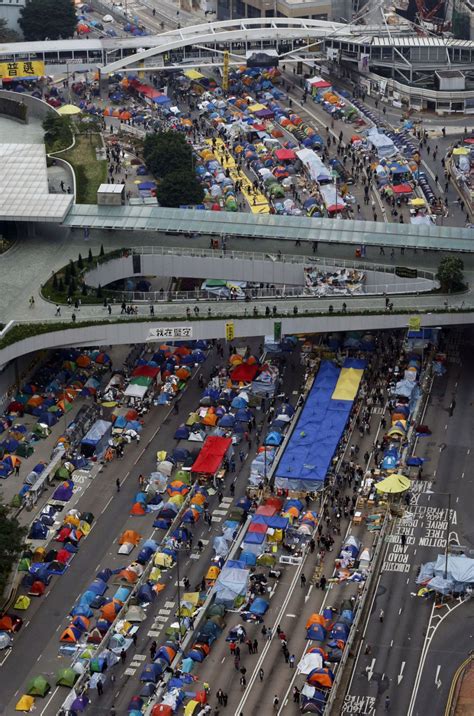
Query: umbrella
{"points": [[68, 110], [393, 484]]}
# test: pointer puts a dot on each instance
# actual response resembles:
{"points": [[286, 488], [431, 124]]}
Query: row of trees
{"points": [[11, 543], [170, 159], [43, 20]]}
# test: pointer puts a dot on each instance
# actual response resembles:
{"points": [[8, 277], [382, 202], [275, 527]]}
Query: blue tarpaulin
{"points": [[314, 440]]}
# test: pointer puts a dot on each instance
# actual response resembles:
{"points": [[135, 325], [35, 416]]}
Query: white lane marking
{"points": [[400, 675]]}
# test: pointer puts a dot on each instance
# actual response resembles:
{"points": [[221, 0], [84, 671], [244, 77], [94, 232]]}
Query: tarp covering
{"points": [[231, 583], [314, 440], [211, 455], [460, 567], [348, 384]]}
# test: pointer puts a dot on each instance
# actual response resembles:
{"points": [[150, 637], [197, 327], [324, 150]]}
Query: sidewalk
{"points": [[461, 701]]}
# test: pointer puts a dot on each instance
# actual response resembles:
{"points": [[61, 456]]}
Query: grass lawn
{"points": [[89, 171]]}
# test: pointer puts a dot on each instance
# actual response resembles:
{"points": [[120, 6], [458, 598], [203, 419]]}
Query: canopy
{"points": [[393, 484], [211, 455], [67, 110]]}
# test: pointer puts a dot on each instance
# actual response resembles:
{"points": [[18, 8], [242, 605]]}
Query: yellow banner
{"points": [[414, 323], [21, 70], [229, 331]]}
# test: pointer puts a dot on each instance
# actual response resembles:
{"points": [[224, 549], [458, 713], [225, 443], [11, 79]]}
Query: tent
{"points": [[26, 703], [22, 603], [38, 686], [393, 484], [66, 677]]}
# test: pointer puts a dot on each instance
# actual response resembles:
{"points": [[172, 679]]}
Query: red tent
{"points": [[266, 510], [321, 84], [244, 372], [212, 454], [285, 155], [148, 371], [402, 189]]}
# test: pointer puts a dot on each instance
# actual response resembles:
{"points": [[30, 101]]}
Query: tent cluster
{"points": [[42, 562], [47, 396], [451, 576]]}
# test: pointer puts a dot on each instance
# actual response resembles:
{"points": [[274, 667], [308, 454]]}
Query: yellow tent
{"points": [[22, 603], [155, 574], [257, 107], [394, 484], [193, 75], [347, 384], [68, 110], [26, 703], [460, 151], [163, 560], [190, 707], [192, 597]]}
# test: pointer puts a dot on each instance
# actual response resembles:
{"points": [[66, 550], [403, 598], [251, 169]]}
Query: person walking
{"points": [[220, 697], [403, 540], [153, 648], [117, 484], [381, 616], [387, 703], [261, 674], [303, 580], [123, 656], [291, 661], [296, 695], [100, 687], [255, 646], [276, 701]]}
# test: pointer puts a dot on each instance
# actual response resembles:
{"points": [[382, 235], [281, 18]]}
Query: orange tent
{"points": [[110, 610], [70, 635], [138, 510], [130, 536], [35, 400], [83, 361], [209, 419], [128, 575], [316, 619]]}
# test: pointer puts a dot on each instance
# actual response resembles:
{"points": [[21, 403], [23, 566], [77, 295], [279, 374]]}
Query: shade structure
{"points": [[393, 484], [68, 110]]}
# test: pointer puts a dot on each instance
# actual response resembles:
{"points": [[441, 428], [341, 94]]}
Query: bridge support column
{"points": [[103, 86]]}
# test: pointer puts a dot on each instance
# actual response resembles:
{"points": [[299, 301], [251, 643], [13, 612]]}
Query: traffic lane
{"points": [[93, 548], [451, 644]]}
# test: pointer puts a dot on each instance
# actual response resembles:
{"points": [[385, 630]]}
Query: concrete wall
{"points": [[239, 269], [263, 271], [36, 107], [138, 332]]}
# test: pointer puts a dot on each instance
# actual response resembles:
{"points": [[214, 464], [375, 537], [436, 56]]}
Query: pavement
{"points": [[464, 703], [413, 650]]}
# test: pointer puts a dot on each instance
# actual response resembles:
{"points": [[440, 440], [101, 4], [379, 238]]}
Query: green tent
{"points": [[16, 501], [38, 686], [24, 450], [141, 380], [66, 677], [41, 430], [62, 473], [24, 564]]}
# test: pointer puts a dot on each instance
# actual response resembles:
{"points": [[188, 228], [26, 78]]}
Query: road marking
{"points": [[292, 616], [400, 675], [309, 593], [108, 503], [223, 659], [462, 476], [130, 672], [153, 633], [216, 519], [164, 610], [437, 679], [391, 643], [220, 512], [49, 700], [139, 657], [370, 670], [400, 611]]}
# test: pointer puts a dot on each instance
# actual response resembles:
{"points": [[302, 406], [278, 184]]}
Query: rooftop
{"points": [[24, 191]]}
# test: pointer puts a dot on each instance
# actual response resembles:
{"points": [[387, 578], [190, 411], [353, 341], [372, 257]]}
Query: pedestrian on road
{"points": [[255, 646], [243, 682], [153, 648], [303, 580], [322, 582], [261, 674], [368, 649], [236, 663], [100, 687], [224, 699], [276, 701], [269, 634], [381, 616], [387, 703], [123, 656], [220, 696], [117, 483], [58, 310], [291, 661], [296, 695], [403, 540]]}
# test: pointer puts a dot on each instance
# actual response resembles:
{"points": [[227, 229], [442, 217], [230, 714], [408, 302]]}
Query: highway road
{"points": [[397, 644]]}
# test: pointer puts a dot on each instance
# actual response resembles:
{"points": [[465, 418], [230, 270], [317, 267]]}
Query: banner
{"points": [[405, 272], [21, 70], [229, 331], [158, 334], [414, 323]]}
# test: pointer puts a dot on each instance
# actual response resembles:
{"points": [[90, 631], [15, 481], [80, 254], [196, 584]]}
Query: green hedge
{"points": [[27, 330]]}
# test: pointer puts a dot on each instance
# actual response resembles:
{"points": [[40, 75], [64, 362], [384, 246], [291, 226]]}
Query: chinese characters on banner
{"points": [[21, 70], [158, 334]]}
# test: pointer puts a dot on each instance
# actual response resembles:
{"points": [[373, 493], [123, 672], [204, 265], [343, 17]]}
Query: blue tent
{"points": [[182, 433], [316, 632], [98, 587], [152, 672], [273, 438], [145, 594], [227, 421], [38, 530], [259, 606]]}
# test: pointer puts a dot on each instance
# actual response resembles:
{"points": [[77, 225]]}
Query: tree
{"points": [[6, 34], [48, 19], [55, 282], [90, 258], [72, 287], [167, 152], [80, 263], [72, 268], [99, 291], [102, 252], [67, 275], [84, 289], [450, 274], [11, 544], [61, 286], [180, 187]]}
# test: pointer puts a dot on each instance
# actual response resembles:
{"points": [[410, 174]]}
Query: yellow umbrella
{"points": [[67, 110], [393, 484], [417, 202]]}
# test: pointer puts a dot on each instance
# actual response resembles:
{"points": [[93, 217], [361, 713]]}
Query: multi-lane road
{"points": [[411, 651]]}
